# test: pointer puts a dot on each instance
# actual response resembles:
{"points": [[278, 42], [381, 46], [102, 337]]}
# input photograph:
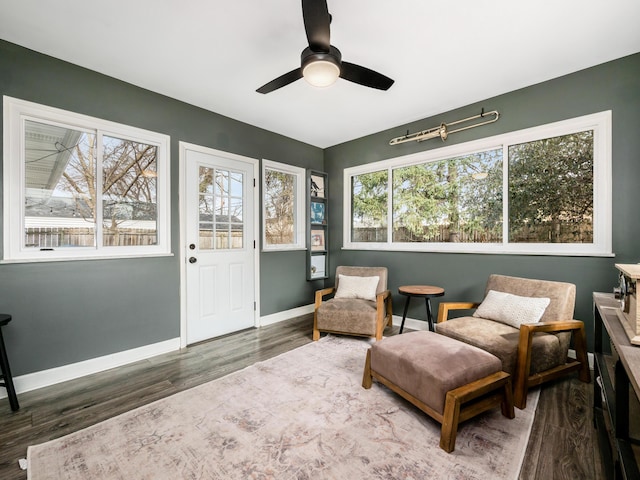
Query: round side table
{"points": [[421, 291]]}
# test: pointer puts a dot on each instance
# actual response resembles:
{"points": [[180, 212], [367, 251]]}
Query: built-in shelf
{"points": [[317, 225]]}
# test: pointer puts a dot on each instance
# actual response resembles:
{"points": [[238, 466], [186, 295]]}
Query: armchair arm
{"points": [[443, 309], [381, 299], [523, 362], [322, 293], [560, 326]]}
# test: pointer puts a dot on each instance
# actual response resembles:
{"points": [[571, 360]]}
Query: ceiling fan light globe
{"points": [[321, 73]]}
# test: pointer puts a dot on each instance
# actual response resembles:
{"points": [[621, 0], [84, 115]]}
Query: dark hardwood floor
{"points": [[563, 443]]}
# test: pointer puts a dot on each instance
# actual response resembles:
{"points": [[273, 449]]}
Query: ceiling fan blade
{"points": [[364, 76], [316, 23], [281, 81]]}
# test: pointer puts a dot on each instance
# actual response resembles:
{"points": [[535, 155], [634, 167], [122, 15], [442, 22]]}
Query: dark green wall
{"points": [[612, 86], [66, 312]]}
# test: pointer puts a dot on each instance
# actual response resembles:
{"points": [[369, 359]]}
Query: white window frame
{"points": [[299, 206], [600, 123], [16, 112]]}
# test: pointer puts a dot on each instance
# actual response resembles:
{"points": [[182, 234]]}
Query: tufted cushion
{"points": [[357, 287], [511, 309]]}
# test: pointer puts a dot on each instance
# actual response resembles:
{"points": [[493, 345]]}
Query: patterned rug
{"points": [[301, 415]]}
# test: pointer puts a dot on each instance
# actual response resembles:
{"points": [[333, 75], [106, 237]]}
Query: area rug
{"points": [[301, 415]]}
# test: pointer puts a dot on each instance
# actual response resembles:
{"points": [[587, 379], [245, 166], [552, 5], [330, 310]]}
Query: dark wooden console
{"points": [[616, 390]]}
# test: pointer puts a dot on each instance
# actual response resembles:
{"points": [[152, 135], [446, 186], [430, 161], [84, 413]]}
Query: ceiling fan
{"points": [[321, 63]]}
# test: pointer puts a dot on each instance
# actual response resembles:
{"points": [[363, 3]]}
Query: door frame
{"points": [[184, 250]]}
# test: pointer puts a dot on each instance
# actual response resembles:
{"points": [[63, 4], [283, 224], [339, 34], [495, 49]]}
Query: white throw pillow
{"points": [[511, 309], [357, 287]]}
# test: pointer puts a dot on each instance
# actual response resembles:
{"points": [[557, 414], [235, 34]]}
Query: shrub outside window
{"points": [[78, 187], [544, 190]]}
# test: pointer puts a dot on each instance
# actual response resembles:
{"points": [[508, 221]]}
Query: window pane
{"points": [[551, 190], [279, 207], [60, 172], [129, 173], [452, 200], [206, 208], [369, 193], [228, 201]]}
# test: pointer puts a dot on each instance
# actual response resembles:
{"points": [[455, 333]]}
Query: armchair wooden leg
{"points": [[580, 345], [366, 377], [316, 332], [507, 402], [523, 367]]}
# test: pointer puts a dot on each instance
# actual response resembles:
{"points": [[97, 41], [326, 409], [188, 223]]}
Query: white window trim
{"points": [[15, 112], [600, 123], [299, 209]]}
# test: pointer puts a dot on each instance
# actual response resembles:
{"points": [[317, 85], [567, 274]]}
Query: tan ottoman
{"points": [[448, 380]]}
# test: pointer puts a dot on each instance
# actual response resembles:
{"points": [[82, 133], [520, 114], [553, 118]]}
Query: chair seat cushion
{"points": [[347, 315], [428, 365], [548, 350]]}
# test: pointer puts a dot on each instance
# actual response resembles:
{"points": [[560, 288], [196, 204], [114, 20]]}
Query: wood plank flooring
{"points": [[563, 443]]}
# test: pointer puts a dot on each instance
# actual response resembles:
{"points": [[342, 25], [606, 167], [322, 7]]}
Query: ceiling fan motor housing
{"points": [[309, 56]]}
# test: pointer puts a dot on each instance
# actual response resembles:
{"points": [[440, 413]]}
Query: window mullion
{"points": [[505, 194], [99, 189], [390, 218]]}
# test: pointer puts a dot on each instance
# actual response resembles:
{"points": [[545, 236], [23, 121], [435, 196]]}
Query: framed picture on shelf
{"points": [[317, 186], [317, 212], [318, 263], [317, 240]]}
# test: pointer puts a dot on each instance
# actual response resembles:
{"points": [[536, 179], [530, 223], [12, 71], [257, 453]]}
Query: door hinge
{"points": [[254, 306], [254, 183]]}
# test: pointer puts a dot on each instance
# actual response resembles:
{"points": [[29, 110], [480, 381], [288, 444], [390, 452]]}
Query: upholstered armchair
{"points": [[528, 324], [361, 303]]}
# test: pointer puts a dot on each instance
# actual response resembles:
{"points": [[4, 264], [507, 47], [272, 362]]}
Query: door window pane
{"points": [[206, 208], [220, 209]]}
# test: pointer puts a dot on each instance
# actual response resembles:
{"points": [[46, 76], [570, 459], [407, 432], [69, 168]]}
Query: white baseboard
{"points": [[411, 323], [45, 378], [286, 315]]}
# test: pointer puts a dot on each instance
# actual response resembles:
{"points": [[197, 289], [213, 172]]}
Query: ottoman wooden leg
{"points": [[450, 421], [507, 402], [463, 403]]}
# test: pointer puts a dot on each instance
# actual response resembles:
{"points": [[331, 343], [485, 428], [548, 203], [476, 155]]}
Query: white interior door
{"points": [[220, 257]]}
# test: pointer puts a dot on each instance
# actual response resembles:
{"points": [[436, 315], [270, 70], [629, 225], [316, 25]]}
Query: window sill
{"points": [[73, 259], [459, 250]]}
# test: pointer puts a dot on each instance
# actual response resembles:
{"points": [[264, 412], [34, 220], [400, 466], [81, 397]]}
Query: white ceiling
{"points": [[214, 53]]}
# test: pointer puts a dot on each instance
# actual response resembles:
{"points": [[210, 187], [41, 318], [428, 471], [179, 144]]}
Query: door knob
{"points": [[193, 259]]}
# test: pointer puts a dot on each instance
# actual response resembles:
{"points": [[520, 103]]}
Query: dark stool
{"points": [[4, 365], [423, 291]]}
